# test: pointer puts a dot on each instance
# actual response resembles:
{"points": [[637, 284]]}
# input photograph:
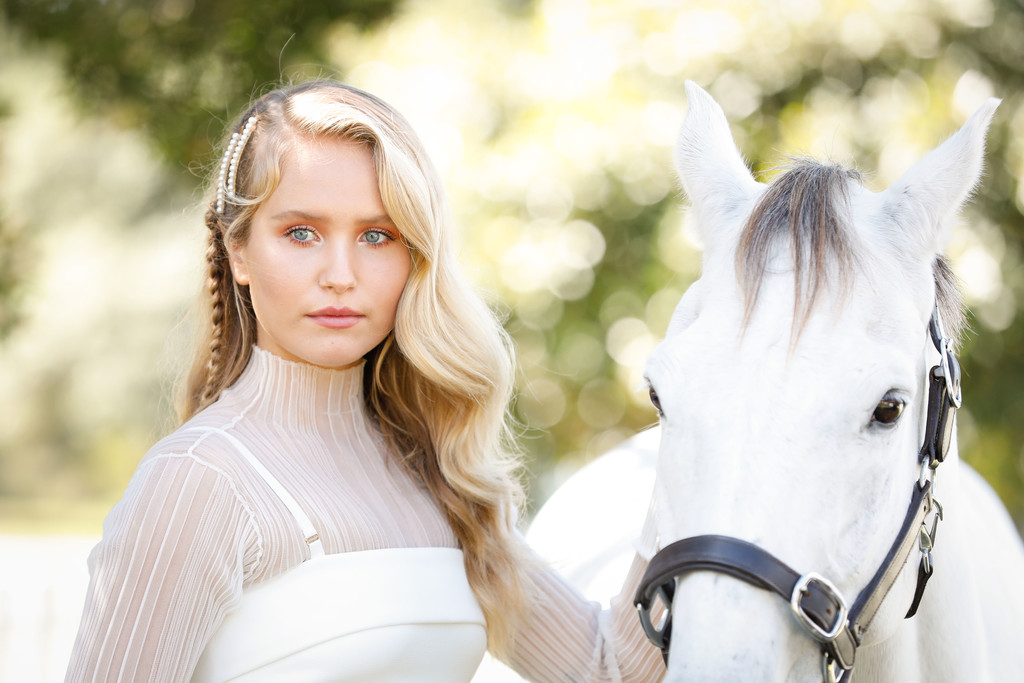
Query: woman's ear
{"points": [[239, 264]]}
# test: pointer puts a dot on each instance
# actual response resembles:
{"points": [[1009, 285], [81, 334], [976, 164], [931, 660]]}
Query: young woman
{"points": [[339, 504]]}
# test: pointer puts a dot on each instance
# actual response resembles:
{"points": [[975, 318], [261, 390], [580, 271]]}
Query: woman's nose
{"points": [[338, 270]]}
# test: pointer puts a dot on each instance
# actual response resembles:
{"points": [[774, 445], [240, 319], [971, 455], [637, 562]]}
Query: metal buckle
{"points": [[951, 371], [815, 631], [949, 366]]}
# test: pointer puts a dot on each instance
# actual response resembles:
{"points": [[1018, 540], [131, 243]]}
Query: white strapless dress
{"points": [[404, 614]]}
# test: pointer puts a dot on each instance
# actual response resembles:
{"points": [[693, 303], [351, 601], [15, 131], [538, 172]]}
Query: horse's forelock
{"points": [[950, 300], [809, 204]]}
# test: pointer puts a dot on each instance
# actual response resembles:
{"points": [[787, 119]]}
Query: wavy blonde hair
{"points": [[439, 385]]}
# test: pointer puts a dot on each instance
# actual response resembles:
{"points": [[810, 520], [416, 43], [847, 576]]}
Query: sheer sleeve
{"points": [[569, 638], [169, 567]]}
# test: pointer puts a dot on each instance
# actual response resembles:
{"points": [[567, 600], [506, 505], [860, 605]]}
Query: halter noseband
{"points": [[816, 603]]}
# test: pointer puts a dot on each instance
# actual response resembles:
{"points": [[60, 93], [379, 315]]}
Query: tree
{"points": [[173, 65], [553, 123]]}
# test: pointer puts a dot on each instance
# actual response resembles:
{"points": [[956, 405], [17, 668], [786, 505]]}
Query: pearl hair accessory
{"points": [[229, 165]]}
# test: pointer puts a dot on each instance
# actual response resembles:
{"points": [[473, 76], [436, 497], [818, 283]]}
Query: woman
{"points": [[339, 503]]}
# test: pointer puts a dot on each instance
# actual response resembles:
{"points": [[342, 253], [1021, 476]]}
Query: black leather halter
{"points": [[816, 603]]}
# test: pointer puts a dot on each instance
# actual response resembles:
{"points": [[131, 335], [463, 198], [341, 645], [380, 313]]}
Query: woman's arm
{"points": [[169, 567], [569, 638]]}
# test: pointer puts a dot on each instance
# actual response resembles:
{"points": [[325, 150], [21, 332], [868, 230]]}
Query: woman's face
{"points": [[324, 263]]}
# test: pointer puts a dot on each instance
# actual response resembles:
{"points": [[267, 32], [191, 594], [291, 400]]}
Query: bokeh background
{"points": [[552, 122]]}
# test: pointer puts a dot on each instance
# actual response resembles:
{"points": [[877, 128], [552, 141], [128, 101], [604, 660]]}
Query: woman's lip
{"points": [[331, 310], [335, 318]]}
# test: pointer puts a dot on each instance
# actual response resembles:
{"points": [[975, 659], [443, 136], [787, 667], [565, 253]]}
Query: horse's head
{"points": [[792, 384]]}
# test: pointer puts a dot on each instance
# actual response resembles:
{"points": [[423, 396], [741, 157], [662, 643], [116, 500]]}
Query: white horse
{"points": [[796, 397]]}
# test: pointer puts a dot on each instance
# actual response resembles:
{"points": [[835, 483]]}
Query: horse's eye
{"points": [[656, 402], [888, 411]]}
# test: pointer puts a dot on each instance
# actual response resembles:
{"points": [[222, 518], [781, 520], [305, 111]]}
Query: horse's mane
{"points": [[809, 203]]}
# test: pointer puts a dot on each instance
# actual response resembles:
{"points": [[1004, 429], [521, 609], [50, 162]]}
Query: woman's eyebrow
{"points": [[381, 218], [318, 218], [298, 213]]}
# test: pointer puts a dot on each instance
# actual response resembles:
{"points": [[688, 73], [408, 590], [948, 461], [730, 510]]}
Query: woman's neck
{"points": [[299, 395]]}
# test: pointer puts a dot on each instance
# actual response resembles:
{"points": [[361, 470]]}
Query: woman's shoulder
{"points": [[182, 495], [192, 459], [206, 459], [208, 439], [189, 479]]}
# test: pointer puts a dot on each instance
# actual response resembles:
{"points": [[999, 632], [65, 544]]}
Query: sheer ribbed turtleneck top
{"points": [[198, 525]]}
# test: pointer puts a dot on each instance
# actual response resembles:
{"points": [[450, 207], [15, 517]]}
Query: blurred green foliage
{"points": [[553, 123], [179, 68]]}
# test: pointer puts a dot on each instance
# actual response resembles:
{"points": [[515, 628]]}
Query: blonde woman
{"points": [[339, 502]]}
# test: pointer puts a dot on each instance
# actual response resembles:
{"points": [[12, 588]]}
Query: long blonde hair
{"points": [[439, 385]]}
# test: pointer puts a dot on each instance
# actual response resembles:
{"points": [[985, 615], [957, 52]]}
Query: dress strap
{"points": [[309, 532]]}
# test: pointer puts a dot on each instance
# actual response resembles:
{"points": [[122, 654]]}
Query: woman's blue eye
{"points": [[376, 237], [301, 234]]}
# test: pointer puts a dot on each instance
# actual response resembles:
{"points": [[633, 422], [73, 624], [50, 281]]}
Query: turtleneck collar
{"points": [[298, 394]]}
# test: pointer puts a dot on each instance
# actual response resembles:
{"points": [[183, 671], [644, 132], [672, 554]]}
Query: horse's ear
{"points": [[710, 167], [924, 200]]}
